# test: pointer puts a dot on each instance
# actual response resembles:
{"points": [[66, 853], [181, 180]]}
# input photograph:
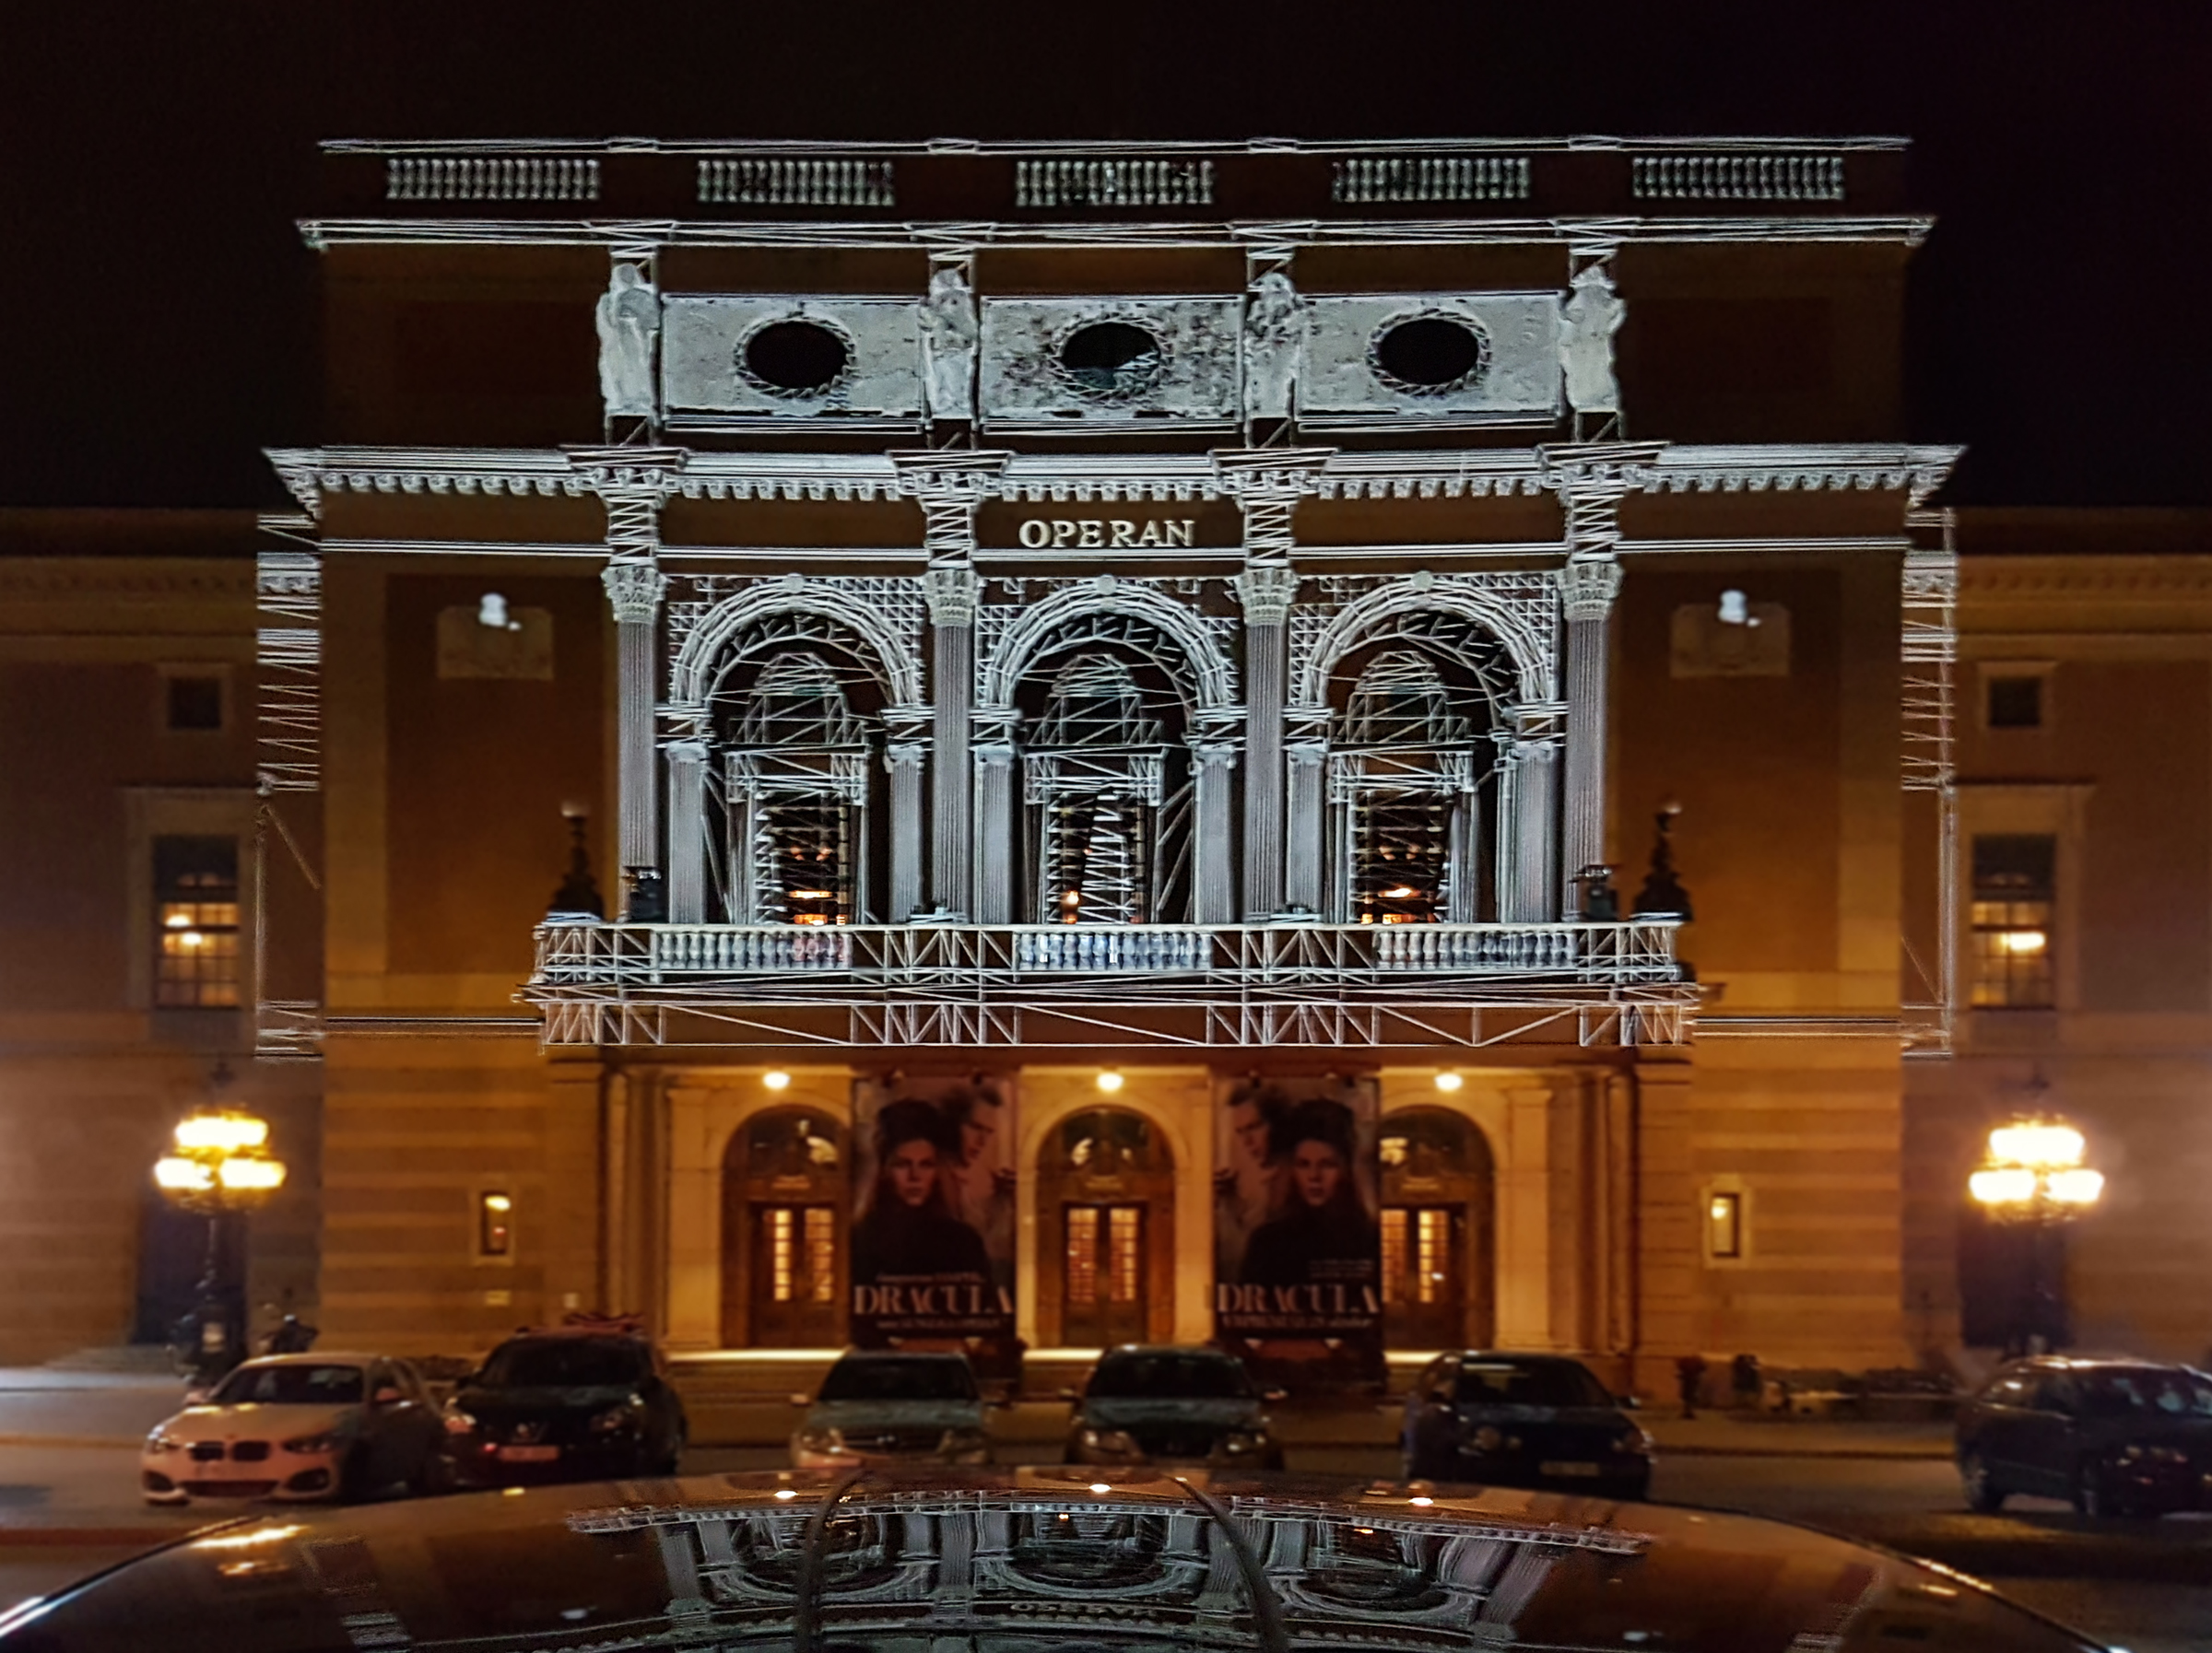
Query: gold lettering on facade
{"points": [[1098, 533]]}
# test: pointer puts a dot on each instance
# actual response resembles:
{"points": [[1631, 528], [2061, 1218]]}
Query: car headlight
{"points": [[615, 1417], [1632, 1443], [1485, 1439], [328, 1441], [2142, 1454], [157, 1442], [814, 1439], [459, 1423], [1241, 1441], [1109, 1440]]}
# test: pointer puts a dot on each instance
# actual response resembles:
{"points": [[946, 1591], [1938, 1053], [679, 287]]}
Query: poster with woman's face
{"points": [[933, 1225], [1297, 1240]]}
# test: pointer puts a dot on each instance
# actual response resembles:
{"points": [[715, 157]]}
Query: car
{"points": [[299, 1427], [2115, 1435], [886, 1406], [1505, 1419], [1053, 1559], [566, 1404], [1164, 1404]]}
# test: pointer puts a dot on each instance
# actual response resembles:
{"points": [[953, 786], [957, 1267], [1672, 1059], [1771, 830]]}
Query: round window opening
{"points": [[796, 359], [1111, 360], [1431, 356]]}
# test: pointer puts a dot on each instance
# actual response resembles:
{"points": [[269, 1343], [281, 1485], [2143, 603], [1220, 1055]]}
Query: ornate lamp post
{"points": [[2032, 1176], [220, 1165]]}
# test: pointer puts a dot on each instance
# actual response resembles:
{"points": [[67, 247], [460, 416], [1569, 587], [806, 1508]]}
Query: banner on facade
{"points": [[1297, 1248], [932, 1223]]}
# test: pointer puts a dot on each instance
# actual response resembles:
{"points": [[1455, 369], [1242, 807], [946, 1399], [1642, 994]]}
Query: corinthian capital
{"points": [[951, 590], [634, 587], [1266, 590], [949, 483], [1587, 587]]}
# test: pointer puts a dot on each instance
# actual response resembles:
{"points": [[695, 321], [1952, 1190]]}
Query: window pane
{"points": [[1082, 1254], [2014, 897], [195, 920], [195, 702], [2016, 702]]}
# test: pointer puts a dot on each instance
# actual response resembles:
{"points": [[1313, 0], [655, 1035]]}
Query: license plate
{"points": [[528, 1454], [1568, 1469]]}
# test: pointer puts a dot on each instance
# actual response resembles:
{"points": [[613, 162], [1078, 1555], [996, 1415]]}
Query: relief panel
{"points": [[1051, 363], [739, 358], [1458, 357]]}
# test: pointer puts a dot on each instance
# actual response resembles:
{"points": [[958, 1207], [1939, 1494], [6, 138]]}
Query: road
{"points": [[68, 1469]]}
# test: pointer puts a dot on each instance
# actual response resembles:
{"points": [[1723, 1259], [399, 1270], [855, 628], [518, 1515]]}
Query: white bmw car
{"points": [[300, 1428]]}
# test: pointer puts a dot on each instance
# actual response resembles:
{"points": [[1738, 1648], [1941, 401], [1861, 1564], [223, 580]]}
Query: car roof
{"points": [[2092, 1363], [1187, 1351], [908, 1356], [1524, 1357], [335, 1357]]}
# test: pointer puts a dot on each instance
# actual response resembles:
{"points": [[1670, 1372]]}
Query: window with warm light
{"points": [[1724, 1224], [195, 916], [2014, 902], [495, 1225]]}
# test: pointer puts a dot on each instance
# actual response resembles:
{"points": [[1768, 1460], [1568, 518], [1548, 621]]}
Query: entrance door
{"points": [[1102, 1276], [795, 1297], [1424, 1276]]}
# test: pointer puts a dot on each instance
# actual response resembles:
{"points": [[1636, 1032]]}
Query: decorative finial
{"points": [[578, 898], [1663, 896]]}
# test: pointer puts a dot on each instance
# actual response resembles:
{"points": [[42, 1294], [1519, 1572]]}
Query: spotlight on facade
{"points": [[776, 1079], [1447, 1083], [1110, 1080]]}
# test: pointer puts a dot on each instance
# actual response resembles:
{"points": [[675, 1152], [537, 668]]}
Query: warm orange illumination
{"points": [[183, 1176], [1398, 894], [1110, 1082], [2013, 1185], [776, 1079], [251, 1174], [1447, 1083], [220, 1132], [2040, 1144], [2029, 942], [2077, 1187]]}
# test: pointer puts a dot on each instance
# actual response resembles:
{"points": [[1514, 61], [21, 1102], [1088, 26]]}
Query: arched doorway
{"points": [[783, 1217], [1439, 1245], [1106, 1231]]}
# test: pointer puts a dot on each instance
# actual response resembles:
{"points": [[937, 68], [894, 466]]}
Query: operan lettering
{"points": [[1107, 533]]}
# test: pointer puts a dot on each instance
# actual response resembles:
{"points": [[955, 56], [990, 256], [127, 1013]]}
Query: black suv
{"points": [[2116, 1436], [1523, 1420], [1172, 1405], [565, 1405]]}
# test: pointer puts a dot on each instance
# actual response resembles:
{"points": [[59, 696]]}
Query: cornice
{"points": [[2095, 575], [36, 578], [1916, 471], [322, 234]]}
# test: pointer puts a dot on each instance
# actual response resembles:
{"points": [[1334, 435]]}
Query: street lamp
{"points": [[220, 1165], [2032, 1178]]}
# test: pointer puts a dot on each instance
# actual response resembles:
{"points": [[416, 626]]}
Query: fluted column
{"points": [[1587, 587], [1265, 590], [1529, 891], [1306, 755], [994, 817], [902, 757], [1213, 882], [687, 832]]}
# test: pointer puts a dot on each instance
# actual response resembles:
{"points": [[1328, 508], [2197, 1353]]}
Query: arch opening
{"points": [[783, 1234], [1106, 1230], [1439, 1252]]}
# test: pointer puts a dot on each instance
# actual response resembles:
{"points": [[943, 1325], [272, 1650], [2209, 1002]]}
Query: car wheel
{"points": [[1983, 1495]]}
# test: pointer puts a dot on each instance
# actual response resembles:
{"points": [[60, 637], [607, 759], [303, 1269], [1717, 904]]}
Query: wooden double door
{"points": [[795, 1295], [1425, 1276], [1104, 1264]]}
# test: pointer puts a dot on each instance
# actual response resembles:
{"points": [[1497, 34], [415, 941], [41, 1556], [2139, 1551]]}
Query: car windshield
{"points": [[900, 1380], [1170, 1377], [1529, 1383], [291, 1386], [2149, 1391], [564, 1363]]}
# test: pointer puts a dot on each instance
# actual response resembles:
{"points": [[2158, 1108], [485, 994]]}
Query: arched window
{"points": [[1105, 778], [1413, 774]]}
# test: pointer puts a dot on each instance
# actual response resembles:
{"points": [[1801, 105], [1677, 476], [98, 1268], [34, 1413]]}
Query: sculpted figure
{"points": [[1587, 323], [1272, 330], [629, 321], [948, 339]]}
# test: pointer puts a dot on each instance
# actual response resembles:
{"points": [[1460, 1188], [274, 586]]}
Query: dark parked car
{"points": [[1523, 1420], [1172, 1405], [565, 1405], [1030, 1558], [879, 1408], [2116, 1436]]}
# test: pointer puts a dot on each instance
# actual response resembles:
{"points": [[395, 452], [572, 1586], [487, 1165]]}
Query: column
{"points": [[1587, 587], [994, 817], [1213, 890], [951, 590], [1528, 800], [902, 756], [1265, 591], [688, 832], [634, 587], [1306, 754]]}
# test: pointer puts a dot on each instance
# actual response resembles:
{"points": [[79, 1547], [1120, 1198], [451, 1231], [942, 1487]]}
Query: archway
{"points": [[1105, 1231], [1439, 1252], [785, 1206]]}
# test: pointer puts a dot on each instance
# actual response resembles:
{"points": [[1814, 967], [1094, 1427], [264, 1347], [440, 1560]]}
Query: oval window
{"points": [[796, 359], [1431, 355], [1111, 358]]}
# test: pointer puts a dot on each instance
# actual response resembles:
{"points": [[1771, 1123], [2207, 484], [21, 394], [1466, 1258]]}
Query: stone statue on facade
{"points": [[1274, 328], [1587, 323], [949, 345], [630, 324]]}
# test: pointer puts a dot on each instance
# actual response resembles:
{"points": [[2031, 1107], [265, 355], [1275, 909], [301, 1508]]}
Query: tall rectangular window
{"points": [[1724, 1223], [2014, 897], [196, 915]]}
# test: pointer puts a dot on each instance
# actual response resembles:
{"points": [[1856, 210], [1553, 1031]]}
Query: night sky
{"points": [[161, 310]]}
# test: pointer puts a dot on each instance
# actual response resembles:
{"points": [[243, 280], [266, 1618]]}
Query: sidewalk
{"points": [[1775, 1435]]}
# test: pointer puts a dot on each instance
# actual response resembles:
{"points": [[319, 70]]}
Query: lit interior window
{"points": [[495, 1225], [196, 918], [1724, 1225]]}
